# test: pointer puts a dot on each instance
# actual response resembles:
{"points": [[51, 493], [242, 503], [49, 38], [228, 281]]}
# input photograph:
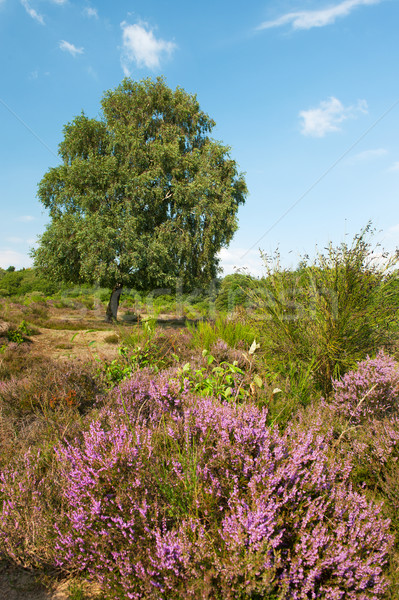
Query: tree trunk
{"points": [[112, 308]]}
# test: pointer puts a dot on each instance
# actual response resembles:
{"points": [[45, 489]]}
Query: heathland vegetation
{"points": [[237, 442]]}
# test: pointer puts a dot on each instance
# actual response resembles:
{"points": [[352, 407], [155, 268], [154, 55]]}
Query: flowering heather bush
{"points": [[370, 391], [171, 496]]}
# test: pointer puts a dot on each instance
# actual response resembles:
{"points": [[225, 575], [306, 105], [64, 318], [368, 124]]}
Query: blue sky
{"points": [[306, 93]]}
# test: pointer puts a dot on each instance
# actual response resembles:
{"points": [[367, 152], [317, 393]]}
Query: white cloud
{"points": [[17, 259], [368, 155], [15, 240], [328, 116], [25, 218], [233, 259], [307, 19], [91, 12], [394, 167], [32, 12], [67, 47], [59, 1], [142, 47]]}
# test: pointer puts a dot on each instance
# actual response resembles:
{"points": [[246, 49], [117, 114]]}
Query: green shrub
{"points": [[233, 291], [329, 314], [223, 379], [15, 336]]}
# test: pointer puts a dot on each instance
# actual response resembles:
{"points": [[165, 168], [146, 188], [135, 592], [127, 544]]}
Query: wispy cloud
{"points": [[91, 12], [32, 12], [328, 116], [59, 1], [140, 46], [394, 167], [92, 73], [67, 47], [25, 218], [368, 155], [307, 19], [15, 240], [10, 257]]}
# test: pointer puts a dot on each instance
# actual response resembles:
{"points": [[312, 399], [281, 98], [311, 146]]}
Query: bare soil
{"points": [[17, 583]]}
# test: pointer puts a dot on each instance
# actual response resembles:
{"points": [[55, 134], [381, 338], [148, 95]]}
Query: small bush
{"points": [[15, 336], [113, 338]]}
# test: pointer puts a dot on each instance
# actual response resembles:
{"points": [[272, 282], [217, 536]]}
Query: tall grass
{"points": [[237, 333]]}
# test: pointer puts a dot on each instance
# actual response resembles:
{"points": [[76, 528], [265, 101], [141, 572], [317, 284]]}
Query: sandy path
{"points": [[20, 584], [66, 345]]}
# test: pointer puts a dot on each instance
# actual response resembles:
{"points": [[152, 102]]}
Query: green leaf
{"points": [[258, 381]]}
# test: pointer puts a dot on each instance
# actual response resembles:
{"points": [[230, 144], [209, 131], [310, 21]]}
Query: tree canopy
{"points": [[144, 197]]}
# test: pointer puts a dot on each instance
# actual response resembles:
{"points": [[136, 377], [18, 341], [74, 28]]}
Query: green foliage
{"points": [[233, 291], [25, 281], [119, 369], [19, 335], [27, 329], [15, 336], [11, 282], [224, 380], [327, 314], [136, 353], [235, 332], [143, 197]]}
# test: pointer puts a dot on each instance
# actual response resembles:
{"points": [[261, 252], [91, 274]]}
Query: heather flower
{"points": [[372, 390], [169, 495]]}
